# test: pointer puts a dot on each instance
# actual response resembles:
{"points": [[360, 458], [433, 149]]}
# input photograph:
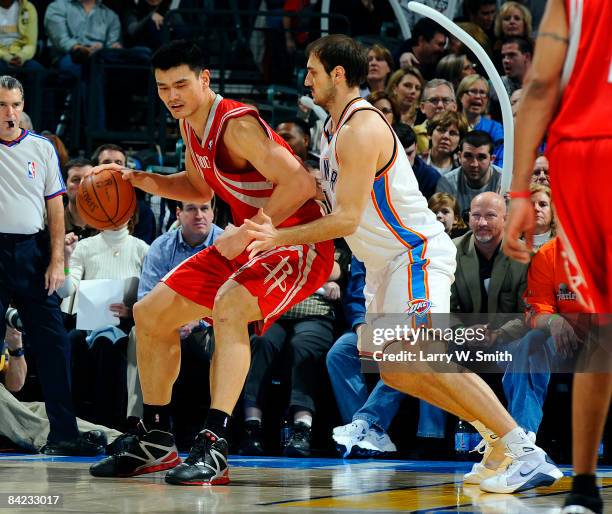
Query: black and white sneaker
{"points": [[139, 453], [582, 504], [206, 463]]}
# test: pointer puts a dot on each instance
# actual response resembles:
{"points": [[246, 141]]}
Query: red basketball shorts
{"points": [[278, 278], [582, 196]]}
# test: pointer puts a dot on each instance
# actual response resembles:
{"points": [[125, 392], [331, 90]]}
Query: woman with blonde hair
{"points": [[406, 86], [446, 209], [513, 20], [544, 215]]}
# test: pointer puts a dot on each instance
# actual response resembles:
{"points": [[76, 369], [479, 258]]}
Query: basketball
{"points": [[105, 201]]}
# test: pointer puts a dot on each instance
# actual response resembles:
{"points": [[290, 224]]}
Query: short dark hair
{"points": [[299, 123], [426, 29], [473, 6], [405, 134], [477, 138], [78, 162], [107, 146], [525, 46], [177, 53], [341, 50]]}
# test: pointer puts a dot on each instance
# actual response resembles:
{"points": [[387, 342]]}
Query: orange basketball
{"points": [[105, 201]]}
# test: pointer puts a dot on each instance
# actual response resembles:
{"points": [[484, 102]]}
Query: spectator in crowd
{"points": [[196, 232], [145, 220], [100, 356], [303, 335], [540, 171], [481, 13], [447, 212], [386, 104], [457, 47], [455, 68], [144, 21], [32, 263], [516, 55], [60, 147], [366, 416], [425, 48], [380, 67], [515, 98], [427, 176], [473, 97], [18, 36], [25, 122], [446, 130], [74, 171], [297, 134], [513, 20], [438, 96], [26, 424], [544, 228], [476, 173], [405, 86]]}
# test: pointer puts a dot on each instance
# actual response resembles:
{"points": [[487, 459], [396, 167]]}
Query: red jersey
{"points": [[585, 111], [245, 191]]}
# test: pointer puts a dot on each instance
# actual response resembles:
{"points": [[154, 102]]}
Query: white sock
{"points": [[252, 418], [253, 414], [303, 416], [517, 442], [486, 434]]}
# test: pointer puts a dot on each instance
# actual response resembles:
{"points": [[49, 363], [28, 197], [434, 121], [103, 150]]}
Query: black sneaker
{"points": [[206, 464], [139, 453], [299, 442], [582, 504], [82, 446], [251, 443]]}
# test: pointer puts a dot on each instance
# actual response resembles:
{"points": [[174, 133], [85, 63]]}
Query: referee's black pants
{"points": [[23, 263]]}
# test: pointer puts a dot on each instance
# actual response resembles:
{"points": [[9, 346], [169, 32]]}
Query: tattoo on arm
{"points": [[554, 36]]}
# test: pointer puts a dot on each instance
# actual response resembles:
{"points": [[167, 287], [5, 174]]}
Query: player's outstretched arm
{"points": [[358, 148], [541, 95]]}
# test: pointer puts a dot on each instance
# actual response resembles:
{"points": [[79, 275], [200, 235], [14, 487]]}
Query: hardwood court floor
{"points": [[278, 485]]}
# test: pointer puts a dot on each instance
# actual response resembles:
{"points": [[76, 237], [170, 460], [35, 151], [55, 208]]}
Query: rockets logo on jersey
{"points": [[203, 161]]}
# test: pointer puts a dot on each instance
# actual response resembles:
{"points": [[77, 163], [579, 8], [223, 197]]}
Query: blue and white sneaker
{"points": [[347, 436], [531, 467], [376, 444]]}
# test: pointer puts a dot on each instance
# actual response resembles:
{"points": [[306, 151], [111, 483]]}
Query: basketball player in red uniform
{"points": [[569, 92], [233, 153]]}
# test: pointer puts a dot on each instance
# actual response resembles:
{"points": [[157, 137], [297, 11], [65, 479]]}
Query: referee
{"points": [[32, 262]]}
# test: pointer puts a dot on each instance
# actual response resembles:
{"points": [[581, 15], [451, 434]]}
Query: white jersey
{"points": [[396, 218]]}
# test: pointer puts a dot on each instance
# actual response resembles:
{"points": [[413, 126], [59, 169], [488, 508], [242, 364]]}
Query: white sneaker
{"points": [[349, 435], [479, 471], [376, 443], [530, 467]]}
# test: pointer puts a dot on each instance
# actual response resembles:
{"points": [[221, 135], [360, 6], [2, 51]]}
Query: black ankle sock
{"points": [[217, 422], [585, 484], [156, 417]]}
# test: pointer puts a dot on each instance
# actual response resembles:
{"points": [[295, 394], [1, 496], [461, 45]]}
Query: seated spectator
{"points": [[144, 21], [427, 176], [303, 335], [110, 153], [366, 416], [513, 20], [26, 424], [74, 171], [476, 173], [455, 68], [515, 98], [473, 98], [516, 53], [195, 233], [482, 14], [380, 67], [405, 86], [481, 36], [425, 48], [385, 103], [540, 171], [438, 97], [544, 228], [446, 209], [445, 131], [25, 122], [297, 134], [112, 254], [18, 36]]}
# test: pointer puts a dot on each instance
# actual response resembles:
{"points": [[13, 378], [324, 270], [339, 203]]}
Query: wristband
{"points": [[519, 194], [17, 352]]}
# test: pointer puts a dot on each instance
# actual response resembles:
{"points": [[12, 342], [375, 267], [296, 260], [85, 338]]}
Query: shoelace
{"points": [[480, 447], [198, 449]]}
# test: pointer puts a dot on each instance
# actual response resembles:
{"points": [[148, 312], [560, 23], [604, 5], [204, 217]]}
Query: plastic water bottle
{"points": [[463, 434], [600, 452], [285, 434]]}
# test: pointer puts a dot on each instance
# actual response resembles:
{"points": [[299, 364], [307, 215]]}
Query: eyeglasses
{"points": [[437, 99], [481, 157], [469, 66], [477, 92]]}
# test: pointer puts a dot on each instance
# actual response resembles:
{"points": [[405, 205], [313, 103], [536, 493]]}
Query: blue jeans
{"points": [[526, 378], [377, 408]]}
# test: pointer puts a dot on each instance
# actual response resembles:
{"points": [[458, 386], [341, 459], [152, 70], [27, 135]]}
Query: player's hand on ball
{"points": [[264, 233], [521, 221]]}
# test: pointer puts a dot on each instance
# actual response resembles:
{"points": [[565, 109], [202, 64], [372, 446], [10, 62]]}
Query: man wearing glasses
{"points": [[476, 175], [438, 96]]}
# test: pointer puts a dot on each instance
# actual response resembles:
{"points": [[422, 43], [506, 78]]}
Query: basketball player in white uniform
{"points": [[410, 262]]}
